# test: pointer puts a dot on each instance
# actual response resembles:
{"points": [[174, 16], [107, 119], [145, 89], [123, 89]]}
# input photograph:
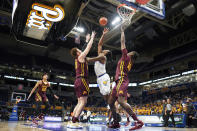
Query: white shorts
{"points": [[104, 84]]}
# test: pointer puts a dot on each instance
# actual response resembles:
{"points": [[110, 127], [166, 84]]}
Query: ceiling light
{"points": [[79, 29], [116, 20]]}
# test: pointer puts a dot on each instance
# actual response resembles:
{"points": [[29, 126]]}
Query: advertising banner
{"points": [[14, 115], [151, 120]]}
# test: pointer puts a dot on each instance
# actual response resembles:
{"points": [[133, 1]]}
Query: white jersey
{"points": [[99, 68], [103, 78]]}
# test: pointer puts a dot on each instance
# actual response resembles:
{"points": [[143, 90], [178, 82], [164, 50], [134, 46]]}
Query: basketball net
{"points": [[126, 13]]}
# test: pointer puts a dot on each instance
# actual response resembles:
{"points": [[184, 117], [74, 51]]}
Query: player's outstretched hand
{"points": [[123, 26], [28, 98], [87, 37], [105, 31], [105, 52], [93, 34], [56, 97]]}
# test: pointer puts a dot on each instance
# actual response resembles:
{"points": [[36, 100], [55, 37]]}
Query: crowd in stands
{"points": [[154, 105], [151, 105]]}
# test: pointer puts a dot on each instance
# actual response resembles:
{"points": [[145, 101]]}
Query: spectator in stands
{"points": [[4, 114], [190, 112], [163, 112], [169, 113]]}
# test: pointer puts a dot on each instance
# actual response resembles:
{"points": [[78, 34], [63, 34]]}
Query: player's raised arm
{"points": [[98, 58], [122, 38], [123, 46], [86, 51], [32, 91], [100, 44]]}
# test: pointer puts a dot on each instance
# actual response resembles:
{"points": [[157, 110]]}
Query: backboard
{"points": [[16, 95], [153, 7]]}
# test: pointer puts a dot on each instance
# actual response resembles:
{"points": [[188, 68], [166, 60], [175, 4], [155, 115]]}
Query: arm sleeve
{"points": [[124, 53]]}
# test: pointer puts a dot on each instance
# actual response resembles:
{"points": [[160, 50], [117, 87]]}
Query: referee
{"points": [[163, 112], [169, 113]]}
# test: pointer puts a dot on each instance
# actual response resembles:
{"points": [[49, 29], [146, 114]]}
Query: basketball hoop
{"points": [[18, 99], [155, 8], [126, 12]]}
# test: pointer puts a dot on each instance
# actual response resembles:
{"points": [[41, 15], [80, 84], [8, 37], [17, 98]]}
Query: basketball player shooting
{"points": [[41, 97], [103, 78], [81, 83], [119, 92]]}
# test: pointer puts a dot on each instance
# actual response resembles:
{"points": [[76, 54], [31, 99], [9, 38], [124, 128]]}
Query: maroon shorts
{"points": [[40, 96], [81, 87], [121, 88]]}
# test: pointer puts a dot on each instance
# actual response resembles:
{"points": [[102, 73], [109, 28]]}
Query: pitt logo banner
{"points": [[42, 16]]}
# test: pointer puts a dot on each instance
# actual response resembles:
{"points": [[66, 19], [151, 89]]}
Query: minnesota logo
{"points": [[84, 92], [44, 88], [120, 92]]}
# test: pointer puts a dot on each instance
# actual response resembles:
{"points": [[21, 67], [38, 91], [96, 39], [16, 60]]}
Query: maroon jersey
{"points": [[124, 66], [42, 88], [81, 69]]}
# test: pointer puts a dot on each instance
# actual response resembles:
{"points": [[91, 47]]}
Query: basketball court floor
{"points": [[28, 126]]}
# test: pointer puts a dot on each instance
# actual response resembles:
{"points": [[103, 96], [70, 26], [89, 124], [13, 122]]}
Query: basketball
{"points": [[103, 21]]}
